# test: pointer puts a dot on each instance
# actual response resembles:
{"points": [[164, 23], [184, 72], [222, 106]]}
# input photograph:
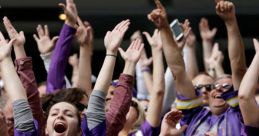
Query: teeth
{"points": [[218, 96]]}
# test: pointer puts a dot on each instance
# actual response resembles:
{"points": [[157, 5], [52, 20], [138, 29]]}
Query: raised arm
{"points": [[157, 92], [84, 36], [23, 119], [172, 53], [96, 113], [246, 94], [25, 73], [59, 58], [120, 103], [207, 36], [236, 51]]}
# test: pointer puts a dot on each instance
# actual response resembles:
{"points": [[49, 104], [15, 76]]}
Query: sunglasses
{"points": [[225, 86], [208, 87]]}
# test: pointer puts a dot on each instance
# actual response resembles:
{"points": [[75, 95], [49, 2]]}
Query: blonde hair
{"points": [[141, 116]]}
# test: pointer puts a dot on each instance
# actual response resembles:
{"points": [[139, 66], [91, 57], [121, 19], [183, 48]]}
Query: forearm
{"points": [[19, 51], [157, 94], [13, 85], [175, 62], [141, 86], [192, 67], [207, 48], [85, 71], [236, 52], [105, 75], [148, 81], [59, 59]]}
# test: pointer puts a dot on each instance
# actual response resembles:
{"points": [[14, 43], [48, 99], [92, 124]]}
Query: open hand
{"points": [[13, 34], [114, 38], [45, 44], [5, 47], [169, 124], [155, 41], [84, 33], [206, 33], [133, 52]]}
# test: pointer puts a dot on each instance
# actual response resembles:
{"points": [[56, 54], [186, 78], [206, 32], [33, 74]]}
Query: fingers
{"points": [[159, 4], [35, 37], [122, 52], [148, 37], [63, 6], [11, 42], [46, 30], [183, 128], [79, 21], [256, 43], [54, 39], [122, 26], [9, 27], [1, 36], [40, 31]]}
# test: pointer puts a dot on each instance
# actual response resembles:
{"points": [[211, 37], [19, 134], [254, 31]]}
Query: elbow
{"points": [[243, 97], [159, 92]]}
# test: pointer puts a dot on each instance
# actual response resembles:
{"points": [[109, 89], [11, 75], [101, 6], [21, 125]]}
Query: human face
{"points": [[132, 114], [216, 103], [63, 120], [204, 84], [109, 97]]}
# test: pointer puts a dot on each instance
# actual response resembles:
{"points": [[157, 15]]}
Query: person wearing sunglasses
{"points": [[203, 83]]}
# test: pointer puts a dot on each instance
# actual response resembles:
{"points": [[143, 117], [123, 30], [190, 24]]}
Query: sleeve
{"points": [[148, 130], [47, 60], [26, 75], [183, 103], [169, 92], [119, 105], [96, 109], [23, 119], [59, 59], [141, 88]]}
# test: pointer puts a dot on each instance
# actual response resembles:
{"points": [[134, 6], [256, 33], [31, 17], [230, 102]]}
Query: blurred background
{"points": [[104, 14]]}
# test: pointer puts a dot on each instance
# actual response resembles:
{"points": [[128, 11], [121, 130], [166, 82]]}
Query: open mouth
{"points": [[217, 96], [60, 127]]}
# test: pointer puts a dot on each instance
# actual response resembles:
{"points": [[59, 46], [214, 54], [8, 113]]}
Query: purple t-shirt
{"points": [[251, 131], [148, 130], [200, 119], [35, 132], [99, 130]]}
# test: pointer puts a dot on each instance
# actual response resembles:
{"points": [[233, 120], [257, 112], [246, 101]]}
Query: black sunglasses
{"points": [[208, 87]]}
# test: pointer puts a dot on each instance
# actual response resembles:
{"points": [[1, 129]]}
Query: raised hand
{"points": [[154, 41], [133, 52], [70, 11], [45, 44], [159, 16], [114, 38], [205, 31], [13, 34], [186, 31], [169, 124], [144, 61], [5, 47], [225, 9], [84, 33], [73, 60]]}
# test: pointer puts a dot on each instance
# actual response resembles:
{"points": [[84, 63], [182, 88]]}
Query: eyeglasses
{"points": [[81, 106], [225, 86], [208, 87]]}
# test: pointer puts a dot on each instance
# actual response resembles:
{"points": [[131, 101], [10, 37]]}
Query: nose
{"points": [[60, 116]]}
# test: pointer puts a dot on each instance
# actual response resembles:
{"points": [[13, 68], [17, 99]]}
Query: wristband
{"points": [[146, 69], [111, 55]]}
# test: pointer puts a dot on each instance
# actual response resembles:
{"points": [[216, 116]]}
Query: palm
{"points": [[45, 44], [5, 48], [13, 34], [205, 31], [113, 39], [133, 53]]}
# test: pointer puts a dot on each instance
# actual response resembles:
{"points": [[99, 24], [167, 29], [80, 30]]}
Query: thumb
{"points": [[147, 35], [122, 52], [214, 31], [183, 128], [54, 39], [63, 6]]}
